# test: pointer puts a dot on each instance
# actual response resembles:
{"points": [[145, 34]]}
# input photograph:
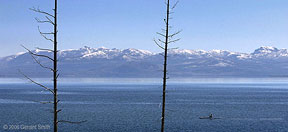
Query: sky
{"points": [[235, 25]]}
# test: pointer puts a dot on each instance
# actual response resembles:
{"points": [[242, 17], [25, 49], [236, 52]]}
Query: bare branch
{"points": [[172, 35], [46, 88], [40, 11], [57, 76], [42, 34], [159, 45], [37, 54], [50, 20], [173, 41], [161, 34], [71, 122], [161, 41], [41, 21], [38, 62], [175, 5], [47, 33], [58, 110]]}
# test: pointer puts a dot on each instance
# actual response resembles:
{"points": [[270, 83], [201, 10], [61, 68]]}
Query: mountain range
{"points": [[103, 62]]}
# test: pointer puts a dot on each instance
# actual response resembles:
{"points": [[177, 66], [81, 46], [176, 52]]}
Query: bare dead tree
{"points": [[50, 19], [163, 44]]}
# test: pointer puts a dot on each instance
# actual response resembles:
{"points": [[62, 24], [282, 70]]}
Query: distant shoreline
{"points": [[149, 80]]}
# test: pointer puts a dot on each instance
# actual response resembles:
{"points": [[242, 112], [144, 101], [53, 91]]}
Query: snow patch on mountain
{"points": [[221, 64], [269, 52]]}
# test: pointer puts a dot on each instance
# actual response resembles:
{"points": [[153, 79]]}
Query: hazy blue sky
{"points": [[236, 25]]}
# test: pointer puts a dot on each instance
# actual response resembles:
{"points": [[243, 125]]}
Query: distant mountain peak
{"points": [[137, 51], [268, 47], [265, 49]]}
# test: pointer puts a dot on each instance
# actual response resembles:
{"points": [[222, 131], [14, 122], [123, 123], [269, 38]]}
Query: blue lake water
{"points": [[134, 105]]}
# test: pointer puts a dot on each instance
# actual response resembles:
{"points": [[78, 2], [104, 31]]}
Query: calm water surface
{"points": [[134, 105]]}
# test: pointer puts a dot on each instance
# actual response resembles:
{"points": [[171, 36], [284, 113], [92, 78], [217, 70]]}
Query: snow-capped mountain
{"points": [[103, 53], [103, 62]]}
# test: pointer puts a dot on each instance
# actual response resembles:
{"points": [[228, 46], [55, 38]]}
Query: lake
{"points": [[134, 105]]}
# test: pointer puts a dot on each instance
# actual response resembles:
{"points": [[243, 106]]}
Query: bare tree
{"points": [[169, 38], [50, 19]]}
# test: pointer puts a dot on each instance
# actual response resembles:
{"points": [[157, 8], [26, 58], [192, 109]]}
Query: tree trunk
{"points": [[165, 68], [55, 70]]}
